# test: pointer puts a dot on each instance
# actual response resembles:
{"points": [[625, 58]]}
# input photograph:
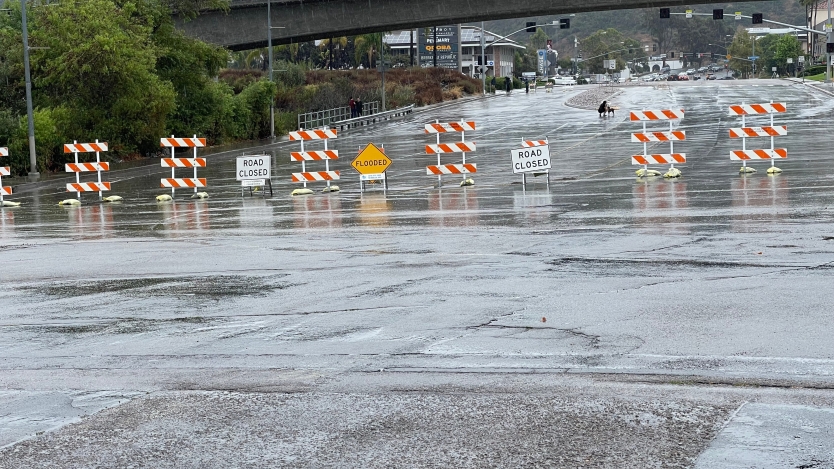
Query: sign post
{"points": [[371, 164], [254, 171]]}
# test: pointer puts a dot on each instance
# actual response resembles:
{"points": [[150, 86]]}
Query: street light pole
{"points": [[33, 158], [269, 60], [483, 58], [382, 64], [434, 47], [827, 40], [575, 58]]}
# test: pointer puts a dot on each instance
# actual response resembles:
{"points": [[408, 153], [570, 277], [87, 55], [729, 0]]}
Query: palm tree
{"points": [[367, 44], [339, 43]]}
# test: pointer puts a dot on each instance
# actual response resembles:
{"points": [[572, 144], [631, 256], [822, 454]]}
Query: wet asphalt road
{"points": [[645, 295]]}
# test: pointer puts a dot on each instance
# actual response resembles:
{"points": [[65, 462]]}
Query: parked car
{"points": [[710, 76], [683, 76], [691, 71], [702, 69], [563, 80], [726, 78]]}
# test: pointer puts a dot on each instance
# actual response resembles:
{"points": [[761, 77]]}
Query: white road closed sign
{"points": [[253, 167], [526, 160]]}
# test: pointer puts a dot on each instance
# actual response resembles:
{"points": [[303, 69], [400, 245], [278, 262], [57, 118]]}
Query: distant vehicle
{"points": [[672, 78], [563, 80], [726, 78], [682, 76], [702, 69], [691, 71], [710, 77], [666, 69]]}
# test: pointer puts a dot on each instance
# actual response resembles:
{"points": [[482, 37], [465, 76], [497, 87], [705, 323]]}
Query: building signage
{"points": [[448, 46], [531, 159], [541, 54]]}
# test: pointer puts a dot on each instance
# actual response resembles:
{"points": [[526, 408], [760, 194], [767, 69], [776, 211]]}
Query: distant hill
{"points": [[633, 22]]}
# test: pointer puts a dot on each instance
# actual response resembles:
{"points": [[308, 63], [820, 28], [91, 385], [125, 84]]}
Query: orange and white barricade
{"points": [[78, 167], [645, 137], [461, 147], [771, 131], [4, 171], [182, 183], [325, 155]]}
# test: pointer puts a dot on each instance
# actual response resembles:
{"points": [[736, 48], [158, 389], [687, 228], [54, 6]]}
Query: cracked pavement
{"points": [[603, 322]]}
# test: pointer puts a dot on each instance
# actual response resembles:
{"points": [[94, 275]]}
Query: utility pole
{"points": [[33, 158], [411, 47], [483, 58]]}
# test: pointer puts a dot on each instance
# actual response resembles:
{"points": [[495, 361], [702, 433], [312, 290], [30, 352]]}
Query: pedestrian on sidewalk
{"points": [[358, 107], [508, 83], [352, 104]]}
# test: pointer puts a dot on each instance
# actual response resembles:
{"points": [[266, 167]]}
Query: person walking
{"points": [[493, 84], [358, 107], [508, 83], [352, 104], [527, 86]]}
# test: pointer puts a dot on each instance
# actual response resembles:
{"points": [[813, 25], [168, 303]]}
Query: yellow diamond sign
{"points": [[371, 160]]}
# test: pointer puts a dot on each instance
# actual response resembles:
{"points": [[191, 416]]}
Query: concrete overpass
{"points": [[244, 26]]}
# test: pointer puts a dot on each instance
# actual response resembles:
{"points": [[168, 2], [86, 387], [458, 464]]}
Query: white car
{"points": [[563, 80]]}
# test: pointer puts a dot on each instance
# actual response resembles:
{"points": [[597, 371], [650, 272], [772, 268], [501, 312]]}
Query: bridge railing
{"points": [[316, 119]]}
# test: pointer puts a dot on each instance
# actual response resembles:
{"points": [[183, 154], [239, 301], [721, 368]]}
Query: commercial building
{"points": [[458, 47]]}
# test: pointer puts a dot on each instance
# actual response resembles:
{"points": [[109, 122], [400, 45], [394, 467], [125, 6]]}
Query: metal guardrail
{"points": [[318, 119], [372, 118]]}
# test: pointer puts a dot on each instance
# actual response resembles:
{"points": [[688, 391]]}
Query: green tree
{"points": [[786, 47], [367, 45], [103, 73], [739, 50]]}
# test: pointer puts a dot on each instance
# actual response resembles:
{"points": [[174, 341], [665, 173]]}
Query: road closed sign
{"points": [[527, 160], [253, 167]]}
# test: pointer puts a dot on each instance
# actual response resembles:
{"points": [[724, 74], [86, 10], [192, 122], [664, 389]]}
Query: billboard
{"points": [[448, 46]]}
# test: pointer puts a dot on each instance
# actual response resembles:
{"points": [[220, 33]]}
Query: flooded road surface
{"points": [[657, 298]]}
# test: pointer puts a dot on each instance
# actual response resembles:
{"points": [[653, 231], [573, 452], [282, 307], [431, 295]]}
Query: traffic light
{"points": [[664, 13], [718, 14], [631, 51], [712, 55], [531, 27], [654, 47], [671, 55], [480, 60], [829, 47], [757, 18], [564, 23]]}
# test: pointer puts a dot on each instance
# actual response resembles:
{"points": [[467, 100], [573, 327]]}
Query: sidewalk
{"points": [[827, 88]]}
